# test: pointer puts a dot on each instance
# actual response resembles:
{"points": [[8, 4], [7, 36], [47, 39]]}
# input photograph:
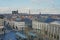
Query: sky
{"points": [[36, 6]]}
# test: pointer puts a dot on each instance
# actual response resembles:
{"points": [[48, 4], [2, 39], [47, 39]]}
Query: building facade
{"points": [[49, 29], [19, 25]]}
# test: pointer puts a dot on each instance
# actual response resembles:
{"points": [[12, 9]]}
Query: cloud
{"points": [[42, 1], [33, 11], [9, 10], [45, 3], [6, 10], [50, 11], [47, 6]]}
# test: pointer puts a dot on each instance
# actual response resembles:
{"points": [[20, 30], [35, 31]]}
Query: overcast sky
{"points": [[36, 6]]}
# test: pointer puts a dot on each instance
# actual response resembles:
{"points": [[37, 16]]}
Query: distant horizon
{"points": [[44, 6], [32, 11]]}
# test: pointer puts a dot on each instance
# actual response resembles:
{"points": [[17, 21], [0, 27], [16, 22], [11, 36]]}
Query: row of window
{"points": [[50, 27]]}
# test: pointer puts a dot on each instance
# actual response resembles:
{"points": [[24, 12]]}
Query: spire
{"points": [[29, 11]]}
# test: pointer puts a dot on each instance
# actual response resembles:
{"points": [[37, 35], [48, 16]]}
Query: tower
{"points": [[15, 12]]}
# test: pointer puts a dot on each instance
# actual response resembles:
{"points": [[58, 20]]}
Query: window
{"points": [[16, 28], [13, 27], [54, 36], [57, 37], [51, 35], [2, 29], [46, 32]]}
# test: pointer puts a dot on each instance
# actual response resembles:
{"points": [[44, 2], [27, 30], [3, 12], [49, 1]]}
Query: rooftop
{"points": [[44, 20], [55, 22]]}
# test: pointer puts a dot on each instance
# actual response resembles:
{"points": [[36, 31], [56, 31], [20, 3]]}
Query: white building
{"points": [[1, 25], [19, 25], [37, 25], [1, 21], [50, 29], [53, 30], [1, 30]]}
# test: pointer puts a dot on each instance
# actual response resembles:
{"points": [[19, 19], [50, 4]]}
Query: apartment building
{"points": [[17, 24], [1, 22], [53, 30], [50, 29], [39, 26], [1, 32], [1, 25]]}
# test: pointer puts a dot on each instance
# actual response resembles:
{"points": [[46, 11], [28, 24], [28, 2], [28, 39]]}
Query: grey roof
{"points": [[56, 22], [21, 35], [32, 34], [41, 19]]}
